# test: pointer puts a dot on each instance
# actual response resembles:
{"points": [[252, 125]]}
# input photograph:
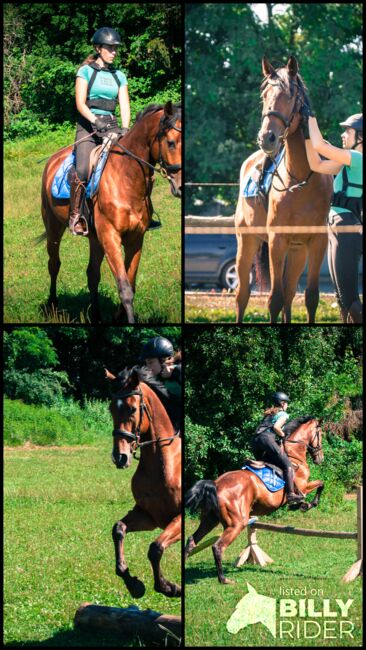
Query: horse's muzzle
{"points": [[269, 142], [123, 461]]}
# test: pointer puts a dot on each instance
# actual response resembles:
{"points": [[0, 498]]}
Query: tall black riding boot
{"points": [[292, 497], [77, 223]]}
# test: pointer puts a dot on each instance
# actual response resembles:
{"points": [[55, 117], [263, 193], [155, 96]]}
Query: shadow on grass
{"points": [[80, 639], [193, 576]]}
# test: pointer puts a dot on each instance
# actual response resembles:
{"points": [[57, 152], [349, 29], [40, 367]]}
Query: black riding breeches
{"points": [[344, 254], [84, 148], [266, 448]]}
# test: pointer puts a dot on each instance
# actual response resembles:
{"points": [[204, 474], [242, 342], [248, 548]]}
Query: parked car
{"points": [[211, 259]]}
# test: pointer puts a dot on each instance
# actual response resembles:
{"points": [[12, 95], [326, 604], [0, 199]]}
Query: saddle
{"points": [[61, 183], [259, 180]]}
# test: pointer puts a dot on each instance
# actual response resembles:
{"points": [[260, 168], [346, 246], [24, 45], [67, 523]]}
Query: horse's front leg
{"points": [[96, 254], [135, 520], [170, 535], [314, 485], [133, 249], [247, 247], [316, 248], [277, 254], [110, 239]]}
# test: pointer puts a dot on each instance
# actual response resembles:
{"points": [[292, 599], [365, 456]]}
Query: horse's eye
{"points": [[171, 144]]}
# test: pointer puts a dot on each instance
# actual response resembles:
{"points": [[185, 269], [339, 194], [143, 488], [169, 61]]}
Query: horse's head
{"points": [[315, 442], [170, 146], [283, 94], [304, 434], [130, 413]]}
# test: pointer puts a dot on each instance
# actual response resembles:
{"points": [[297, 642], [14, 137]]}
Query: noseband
{"points": [[135, 437]]}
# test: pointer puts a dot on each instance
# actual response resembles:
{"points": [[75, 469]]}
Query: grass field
{"points": [[220, 308], [26, 279], [60, 506], [300, 563]]}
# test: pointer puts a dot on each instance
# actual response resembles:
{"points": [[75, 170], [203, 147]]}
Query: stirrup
{"points": [[154, 225], [76, 221]]}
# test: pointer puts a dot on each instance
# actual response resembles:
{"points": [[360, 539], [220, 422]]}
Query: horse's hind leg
{"points": [[230, 533], [208, 522], [96, 254], [170, 535], [55, 230]]}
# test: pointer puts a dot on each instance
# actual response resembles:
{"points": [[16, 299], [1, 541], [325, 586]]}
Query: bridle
{"points": [[165, 169], [135, 437], [309, 446], [287, 122]]}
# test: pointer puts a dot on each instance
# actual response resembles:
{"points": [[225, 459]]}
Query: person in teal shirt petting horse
{"points": [[265, 443], [99, 86], [344, 248]]}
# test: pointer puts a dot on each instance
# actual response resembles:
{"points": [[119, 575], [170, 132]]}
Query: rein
{"points": [[165, 169]]}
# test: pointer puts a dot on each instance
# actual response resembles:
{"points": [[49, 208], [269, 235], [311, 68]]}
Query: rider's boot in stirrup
{"points": [[77, 222], [292, 497]]}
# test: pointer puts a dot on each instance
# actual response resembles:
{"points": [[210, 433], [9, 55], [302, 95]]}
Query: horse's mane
{"points": [[291, 426], [286, 82], [154, 108], [145, 375]]}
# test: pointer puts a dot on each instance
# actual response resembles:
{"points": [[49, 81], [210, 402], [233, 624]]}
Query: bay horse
{"points": [[140, 421], [236, 496], [298, 197], [121, 208]]}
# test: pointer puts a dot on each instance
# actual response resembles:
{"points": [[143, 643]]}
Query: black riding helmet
{"points": [[106, 36], [157, 348], [279, 397], [355, 122]]}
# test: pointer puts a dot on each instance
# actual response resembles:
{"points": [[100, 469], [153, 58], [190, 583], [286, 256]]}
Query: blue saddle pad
{"points": [[60, 186], [252, 186], [269, 477]]}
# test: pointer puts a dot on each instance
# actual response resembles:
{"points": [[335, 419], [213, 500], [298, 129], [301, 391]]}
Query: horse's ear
{"points": [[292, 66], [108, 375], [134, 377], [267, 68], [168, 109]]}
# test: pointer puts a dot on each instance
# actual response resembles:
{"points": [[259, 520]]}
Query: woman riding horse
{"points": [[344, 248], [266, 448], [98, 85]]}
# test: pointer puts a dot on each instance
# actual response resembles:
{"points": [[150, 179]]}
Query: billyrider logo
{"points": [[319, 618]]}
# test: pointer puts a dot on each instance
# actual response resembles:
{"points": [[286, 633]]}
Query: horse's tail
{"points": [[39, 239], [203, 496], [263, 280]]}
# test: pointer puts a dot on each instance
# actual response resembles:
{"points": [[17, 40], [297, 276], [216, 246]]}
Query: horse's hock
{"points": [[253, 554], [130, 621]]}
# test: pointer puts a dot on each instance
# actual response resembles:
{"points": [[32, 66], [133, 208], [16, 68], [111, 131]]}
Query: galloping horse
{"points": [[298, 197], [237, 495], [122, 208], [140, 421]]}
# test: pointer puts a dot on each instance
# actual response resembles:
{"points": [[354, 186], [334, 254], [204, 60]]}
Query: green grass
{"points": [[300, 562], [60, 506], [26, 279], [198, 310]]}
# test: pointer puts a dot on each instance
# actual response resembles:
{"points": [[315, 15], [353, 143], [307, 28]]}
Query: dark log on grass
{"points": [[146, 624]]}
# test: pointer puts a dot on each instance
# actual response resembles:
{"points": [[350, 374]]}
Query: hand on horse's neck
{"points": [[296, 159]]}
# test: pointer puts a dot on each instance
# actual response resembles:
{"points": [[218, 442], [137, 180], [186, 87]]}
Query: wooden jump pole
{"points": [[255, 555], [147, 624]]}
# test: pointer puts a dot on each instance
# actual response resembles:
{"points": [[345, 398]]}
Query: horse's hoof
{"points": [[226, 581], [136, 588], [169, 589]]}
